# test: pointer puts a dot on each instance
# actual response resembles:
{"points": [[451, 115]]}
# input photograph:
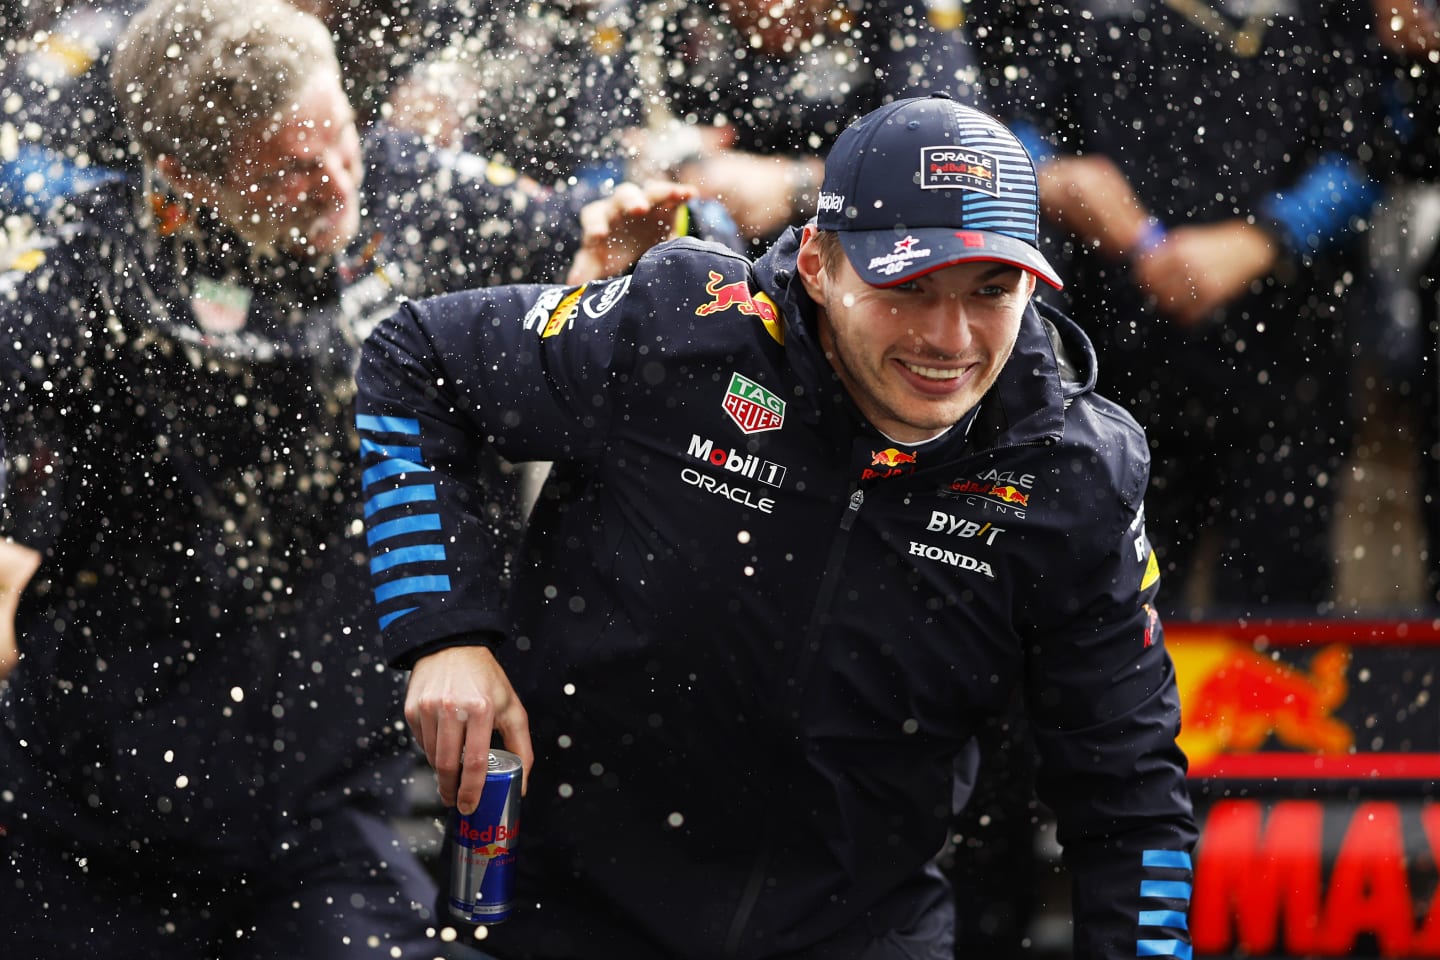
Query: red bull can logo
{"points": [[482, 863]]}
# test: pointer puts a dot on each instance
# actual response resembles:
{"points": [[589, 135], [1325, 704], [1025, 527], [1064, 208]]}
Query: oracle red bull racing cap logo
{"points": [[952, 167], [753, 408]]}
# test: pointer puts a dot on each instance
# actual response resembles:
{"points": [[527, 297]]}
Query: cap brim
{"points": [[885, 258]]}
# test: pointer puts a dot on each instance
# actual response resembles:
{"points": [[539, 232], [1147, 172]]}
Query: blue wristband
{"points": [[1151, 236]]}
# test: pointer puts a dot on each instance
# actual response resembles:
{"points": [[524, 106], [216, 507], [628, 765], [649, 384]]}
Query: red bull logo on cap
{"points": [[949, 167]]}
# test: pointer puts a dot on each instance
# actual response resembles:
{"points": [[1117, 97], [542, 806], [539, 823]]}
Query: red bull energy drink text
{"points": [[482, 858]]}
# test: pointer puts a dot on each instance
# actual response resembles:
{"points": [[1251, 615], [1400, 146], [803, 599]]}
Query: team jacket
{"points": [[200, 673], [751, 633]]}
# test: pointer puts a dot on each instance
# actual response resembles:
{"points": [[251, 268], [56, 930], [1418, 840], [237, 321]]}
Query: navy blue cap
{"points": [[924, 183]]}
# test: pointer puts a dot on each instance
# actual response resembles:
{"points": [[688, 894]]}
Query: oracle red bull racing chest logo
{"points": [[753, 408], [1008, 490]]}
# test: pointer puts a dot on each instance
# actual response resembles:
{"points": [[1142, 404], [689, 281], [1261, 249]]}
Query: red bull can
{"points": [[482, 858]]}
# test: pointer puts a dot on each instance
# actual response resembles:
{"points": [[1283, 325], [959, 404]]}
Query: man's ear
{"points": [[810, 265]]}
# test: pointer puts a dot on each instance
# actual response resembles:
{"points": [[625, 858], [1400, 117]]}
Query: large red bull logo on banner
{"points": [[1320, 746], [1235, 699]]}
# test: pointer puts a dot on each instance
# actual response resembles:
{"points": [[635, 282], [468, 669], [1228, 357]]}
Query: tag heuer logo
{"points": [[752, 407]]}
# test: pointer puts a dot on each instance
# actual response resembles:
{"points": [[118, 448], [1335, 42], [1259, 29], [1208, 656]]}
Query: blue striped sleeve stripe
{"points": [[1163, 918], [370, 447], [390, 468], [1166, 858], [398, 528], [408, 585], [420, 493], [1163, 948], [390, 618], [418, 554], [1168, 889], [376, 424]]}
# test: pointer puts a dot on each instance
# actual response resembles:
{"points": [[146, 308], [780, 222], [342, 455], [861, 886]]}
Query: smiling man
{"points": [[812, 520]]}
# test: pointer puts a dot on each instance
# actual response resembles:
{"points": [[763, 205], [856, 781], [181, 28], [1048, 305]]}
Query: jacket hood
{"points": [[1053, 361]]}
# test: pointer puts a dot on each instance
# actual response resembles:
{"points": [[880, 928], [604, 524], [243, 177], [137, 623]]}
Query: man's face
{"points": [[916, 357], [294, 182]]}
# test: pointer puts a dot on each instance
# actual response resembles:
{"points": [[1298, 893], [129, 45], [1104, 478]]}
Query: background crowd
{"points": [[1240, 199]]}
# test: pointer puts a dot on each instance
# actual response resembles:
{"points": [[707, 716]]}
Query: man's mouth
{"points": [[933, 373]]}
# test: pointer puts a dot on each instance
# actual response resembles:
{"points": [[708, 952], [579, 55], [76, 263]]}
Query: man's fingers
{"points": [[449, 747], [475, 763], [514, 727], [666, 193]]}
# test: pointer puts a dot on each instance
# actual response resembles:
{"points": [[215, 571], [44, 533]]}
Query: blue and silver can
{"points": [[482, 859]]}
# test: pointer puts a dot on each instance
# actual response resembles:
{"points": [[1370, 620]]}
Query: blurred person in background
{"points": [[743, 97], [1209, 163], [61, 131], [201, 742], [1405, 245]]}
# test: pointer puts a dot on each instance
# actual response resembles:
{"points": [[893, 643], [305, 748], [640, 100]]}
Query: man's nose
{"points": [[948, 329], [330, 176]]}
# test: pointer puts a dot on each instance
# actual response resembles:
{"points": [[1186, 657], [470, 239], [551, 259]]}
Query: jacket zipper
{"points": [[823, 598]]}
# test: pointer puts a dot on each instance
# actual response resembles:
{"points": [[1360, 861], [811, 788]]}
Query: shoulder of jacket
{"points": [[1105, 446], [693, 254]]}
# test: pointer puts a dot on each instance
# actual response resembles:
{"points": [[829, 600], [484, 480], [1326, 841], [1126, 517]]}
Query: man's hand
{"points": [[457, 697], [1090, 197], [759, 191], [1200, 269], [17, 565], [616, 230]]}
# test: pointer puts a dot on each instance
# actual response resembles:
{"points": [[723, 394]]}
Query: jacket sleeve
{"points": [[1105, 712], [446, 388]]}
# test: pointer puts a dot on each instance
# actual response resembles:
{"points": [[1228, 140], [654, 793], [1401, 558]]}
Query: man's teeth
{"points": [[932, 373]]}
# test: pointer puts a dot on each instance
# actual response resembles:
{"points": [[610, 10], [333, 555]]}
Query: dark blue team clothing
{"points": [[753, 635], [203, 707], [1258, 113]]}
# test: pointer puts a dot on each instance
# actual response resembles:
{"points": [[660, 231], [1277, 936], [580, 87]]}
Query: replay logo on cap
{"points": [[927, 182]]}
